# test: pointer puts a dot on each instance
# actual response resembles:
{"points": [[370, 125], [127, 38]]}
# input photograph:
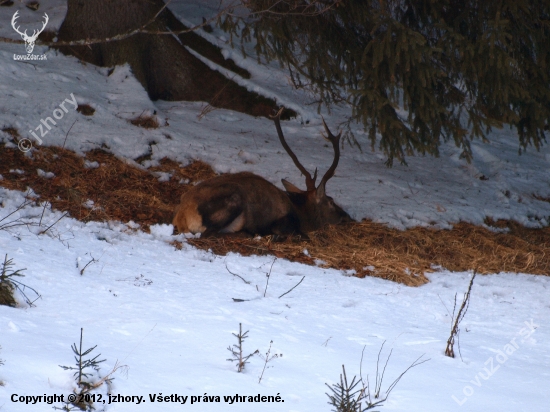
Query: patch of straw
{"points": [[122, 192], [118, 190], [146, 121], [372, 249]]}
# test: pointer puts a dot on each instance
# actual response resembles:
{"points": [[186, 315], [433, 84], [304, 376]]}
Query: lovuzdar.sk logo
{"points": [[29, 40]]}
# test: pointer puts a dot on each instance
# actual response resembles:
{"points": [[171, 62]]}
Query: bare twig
{"points": [[380, 378], [228, 10], [455, 322], [49, 227], [87, 264], [445, 306], [139, 343], [21, 287], [267, 358], [88, 42], [235, 274], [8, 224], [268, 275], [42, 215], [210, 106], [7, 279], [107, 378], [295, 286], [354, 399], [67, 135]]}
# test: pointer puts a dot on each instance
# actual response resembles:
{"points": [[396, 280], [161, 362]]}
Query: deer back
{"points": [[235, 202]]}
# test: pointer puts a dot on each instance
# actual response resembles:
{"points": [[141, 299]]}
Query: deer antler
{"points": [[335, 140], [15, 17], [47, 19], [24, 34], [310, 181]]}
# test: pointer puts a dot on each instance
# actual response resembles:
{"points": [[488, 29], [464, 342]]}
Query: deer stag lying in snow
{"points": [[247, 202]]}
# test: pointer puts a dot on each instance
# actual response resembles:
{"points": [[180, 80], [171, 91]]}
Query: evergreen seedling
{"points": [[85, 373], [9, 284], [350, 397], [346, 396], [237, 350]]}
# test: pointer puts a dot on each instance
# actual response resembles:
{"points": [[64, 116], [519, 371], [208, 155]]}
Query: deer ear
{"points": [[290, 188]]}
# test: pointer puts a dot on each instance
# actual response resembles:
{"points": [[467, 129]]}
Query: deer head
{"points": [[313, 204], [29, 40]]}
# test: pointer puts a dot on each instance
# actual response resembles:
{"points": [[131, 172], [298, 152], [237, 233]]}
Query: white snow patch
{"points": [[162, 230], [91, 165], [45, 175], [89, 204], [162, 176]]}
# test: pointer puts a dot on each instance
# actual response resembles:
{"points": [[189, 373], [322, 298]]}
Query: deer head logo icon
{"points": [[29, 40]]}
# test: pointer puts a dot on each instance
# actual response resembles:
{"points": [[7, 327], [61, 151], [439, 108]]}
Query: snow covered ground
{"points": [[169, 315]]}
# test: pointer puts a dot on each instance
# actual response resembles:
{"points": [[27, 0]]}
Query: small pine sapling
{"points": [[346, 396], [455, 322], [350, 397], [9, 284], [237, 350], [87, 378]]}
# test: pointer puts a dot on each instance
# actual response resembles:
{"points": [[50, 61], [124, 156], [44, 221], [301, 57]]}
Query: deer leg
{"points": [[287, 225], [222, 212]]}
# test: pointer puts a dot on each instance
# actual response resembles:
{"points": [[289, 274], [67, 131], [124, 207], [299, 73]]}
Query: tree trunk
{"points": [[165, 68]]}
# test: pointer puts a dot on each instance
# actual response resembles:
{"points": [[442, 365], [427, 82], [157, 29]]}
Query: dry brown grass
{"points": [[542, 198], [119, 191], [13, 132], [85, 109], [123, 192], [146, 121], [372, 249]]}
